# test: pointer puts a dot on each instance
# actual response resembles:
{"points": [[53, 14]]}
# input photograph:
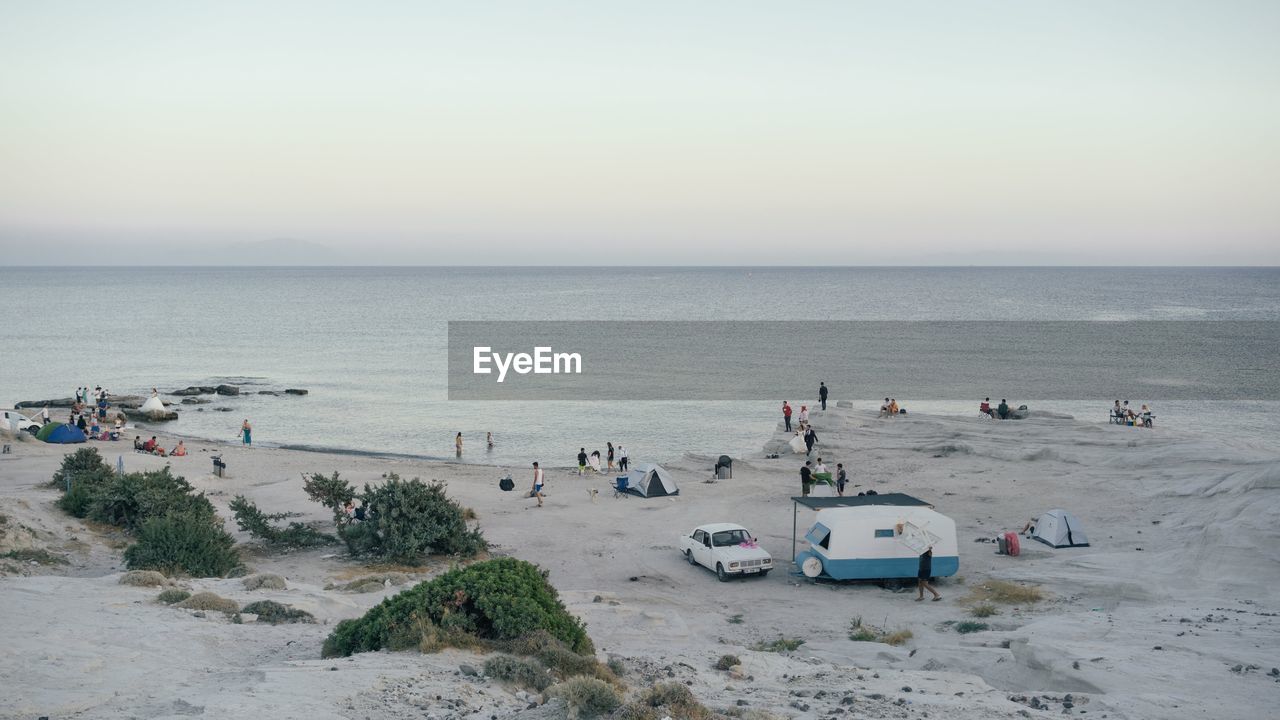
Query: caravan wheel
{"points": [[721, 574]]}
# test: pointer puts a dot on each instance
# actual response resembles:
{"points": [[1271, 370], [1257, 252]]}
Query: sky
{"points": [[656, 133]]}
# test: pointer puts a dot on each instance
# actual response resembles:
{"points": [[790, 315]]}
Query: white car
{"points": [[17, 422], [727, 549]]}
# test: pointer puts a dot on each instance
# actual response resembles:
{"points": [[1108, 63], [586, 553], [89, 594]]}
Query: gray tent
{"points": [[1059, 528], [647, 480]]}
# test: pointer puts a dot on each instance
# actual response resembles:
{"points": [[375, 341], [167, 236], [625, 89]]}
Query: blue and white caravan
{"points": [[878, 542]]}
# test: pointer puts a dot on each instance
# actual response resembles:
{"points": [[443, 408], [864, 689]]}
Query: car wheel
{"points": [[764, 573], [33, 430], [688, 555], [721, 574]]}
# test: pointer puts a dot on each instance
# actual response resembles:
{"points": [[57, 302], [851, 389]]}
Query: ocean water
{"points": [[370, 344]]}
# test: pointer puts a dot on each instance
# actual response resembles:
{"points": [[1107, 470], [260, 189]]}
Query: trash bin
{"points": [[724, 468], [218, 466]]}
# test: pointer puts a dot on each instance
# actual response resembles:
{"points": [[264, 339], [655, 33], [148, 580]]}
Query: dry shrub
{"points": [[782, 644], [586, 697], [522, 672], [1005, 593], [669, 699], [264, 581], [370, 583], [173, 595], [897, 637], [210, 601], [274, 613], [726, 662], [144, 578], [985, 610], [40, 556], [866, 633]]}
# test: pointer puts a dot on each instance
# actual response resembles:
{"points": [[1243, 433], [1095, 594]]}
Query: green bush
{"points": [[726, 662], [173, 595], [130, 500], [586, 697], [332, 492], [409, 519], [262, 526], [782, 644], [210, 601], [87, 472], [274, 613], [501, 599], [522, 672], [194, 544], [968, 626]]}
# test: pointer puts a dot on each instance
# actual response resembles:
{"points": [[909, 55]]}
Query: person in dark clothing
{"points": [[1003, 410], [582, 461], [842, 479], [786, 414], [806, 479], [822, 394], [810, 438], [924, 574]]}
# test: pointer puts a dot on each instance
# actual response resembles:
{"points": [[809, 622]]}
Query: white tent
{"points": [[1059, 528], [647, 480]]}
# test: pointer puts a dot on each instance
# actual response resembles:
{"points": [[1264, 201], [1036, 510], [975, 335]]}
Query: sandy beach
{"points": [[1167, 615]]}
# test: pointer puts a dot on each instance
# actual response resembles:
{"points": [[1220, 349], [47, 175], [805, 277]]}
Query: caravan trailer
{"points": [[876, 542]]}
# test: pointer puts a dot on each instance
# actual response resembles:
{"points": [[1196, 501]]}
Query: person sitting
{"points": [[180, 450], [884, 408], [150, 445], [984, 407], [138, 445], [1117, 413], [893, 406], [1146, 416], [1129, 414], [94, 430], [1003, 409], [349, 510], [361, 513]]}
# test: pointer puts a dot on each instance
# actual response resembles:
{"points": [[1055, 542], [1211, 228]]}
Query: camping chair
{"points": [[1116, 418], [620, 486]]}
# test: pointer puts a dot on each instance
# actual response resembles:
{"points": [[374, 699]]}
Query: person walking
{"points": [[246, 433], [537, 483], [44, 415], [842, 478], [457, 444], [622, 458], [609, 459], [822, 394], [786, 415], [806, 479], [488, 437], [810, 439], [582, 461], [924, 574]]}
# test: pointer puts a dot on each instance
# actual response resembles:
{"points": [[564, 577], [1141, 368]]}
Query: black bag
{"points": [[507, 484]]}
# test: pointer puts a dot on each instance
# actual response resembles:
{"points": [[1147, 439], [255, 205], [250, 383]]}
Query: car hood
{"points": [[737, 552]]}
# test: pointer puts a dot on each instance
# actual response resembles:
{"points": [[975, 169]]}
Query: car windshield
{"points": [[725, 538]]}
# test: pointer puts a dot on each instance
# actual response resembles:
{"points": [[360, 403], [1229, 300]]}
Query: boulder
{"points": [[219, 409], [195, 401], [161, 415], [59, 403], [295, 391], [227, 390], [193, 390], [128, 402], [268, 392]]}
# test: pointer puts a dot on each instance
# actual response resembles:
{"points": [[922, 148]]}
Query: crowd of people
{"points": [[1122, 414], [92, 413], [614, 458]]}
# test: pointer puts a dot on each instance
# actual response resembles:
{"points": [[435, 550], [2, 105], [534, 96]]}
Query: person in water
{"points": [[1003, 410], [457, 443], [246, 433], [924, 574]]}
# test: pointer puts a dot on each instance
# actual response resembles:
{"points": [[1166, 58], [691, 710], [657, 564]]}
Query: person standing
{"points": [[44, 415], [582, 461], [806, 479], [804, 416], [609, 459], [786, 415], [842, 478], [457, 444], [622, 458], [924, 574], [822, 394], [246, 433], [537, 483], [810, 439], [1003, 409], [488, 437]]}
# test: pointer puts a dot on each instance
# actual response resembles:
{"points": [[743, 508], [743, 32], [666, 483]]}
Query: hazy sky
{"points": [[952, 132]]}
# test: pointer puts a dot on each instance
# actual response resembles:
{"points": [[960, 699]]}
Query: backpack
{"points": [[506, 484]]}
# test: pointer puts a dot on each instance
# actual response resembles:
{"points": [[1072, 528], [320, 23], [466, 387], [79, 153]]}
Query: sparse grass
{"points": [[968, 626], [469, 514], [782, 644], [173, 595], [210, 601], [264, 581], [669, 699], [522, 672], [274, 613], [370, 583], [586, 697], [727, 661], [36, 555], [735, 619], [984, 610], [1005, 593], [616, 667], [866, 633], [144, 578]]}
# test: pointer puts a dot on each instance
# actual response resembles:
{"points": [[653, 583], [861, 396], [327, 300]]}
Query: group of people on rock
{"points": [[89, 413]]}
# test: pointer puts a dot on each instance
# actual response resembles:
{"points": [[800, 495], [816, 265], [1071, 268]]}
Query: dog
{"points": [[592, 492]]}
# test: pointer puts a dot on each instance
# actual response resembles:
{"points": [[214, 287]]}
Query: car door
{"points": [[702, 549]]}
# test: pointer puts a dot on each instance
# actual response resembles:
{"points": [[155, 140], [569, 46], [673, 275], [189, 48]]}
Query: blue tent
{"points": [[65, 434]]}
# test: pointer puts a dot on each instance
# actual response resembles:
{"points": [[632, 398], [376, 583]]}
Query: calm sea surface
{"points": [[370, 343]]}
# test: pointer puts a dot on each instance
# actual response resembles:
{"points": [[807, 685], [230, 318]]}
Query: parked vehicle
{"points": [[726, 549], [878, 542], [17, 422]]}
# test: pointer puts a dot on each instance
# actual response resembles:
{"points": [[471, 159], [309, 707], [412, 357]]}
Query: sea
{"points": [[370, 346]]}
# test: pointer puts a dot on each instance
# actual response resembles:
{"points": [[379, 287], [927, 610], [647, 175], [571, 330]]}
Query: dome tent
{"points": [[59, 433], [1060, 529], [648, 480]]}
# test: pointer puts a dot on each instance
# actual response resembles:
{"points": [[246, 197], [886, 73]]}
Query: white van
{"points": [[17, 422]]}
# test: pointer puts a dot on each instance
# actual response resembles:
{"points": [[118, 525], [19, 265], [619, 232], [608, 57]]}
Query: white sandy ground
{"points": [[1171, 613]]}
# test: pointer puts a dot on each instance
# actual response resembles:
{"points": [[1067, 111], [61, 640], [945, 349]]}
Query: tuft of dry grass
{"points": [[210, 601], [897, 637], [727, 662], [264, 581], [1005, 593], [40, 556], [173, 595], [144, 578], [983, 610], [866, 633], [782, 644], [370, 583]]}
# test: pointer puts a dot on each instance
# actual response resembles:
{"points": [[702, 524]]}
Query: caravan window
{"points": [[819, 536], [884, 533]]}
